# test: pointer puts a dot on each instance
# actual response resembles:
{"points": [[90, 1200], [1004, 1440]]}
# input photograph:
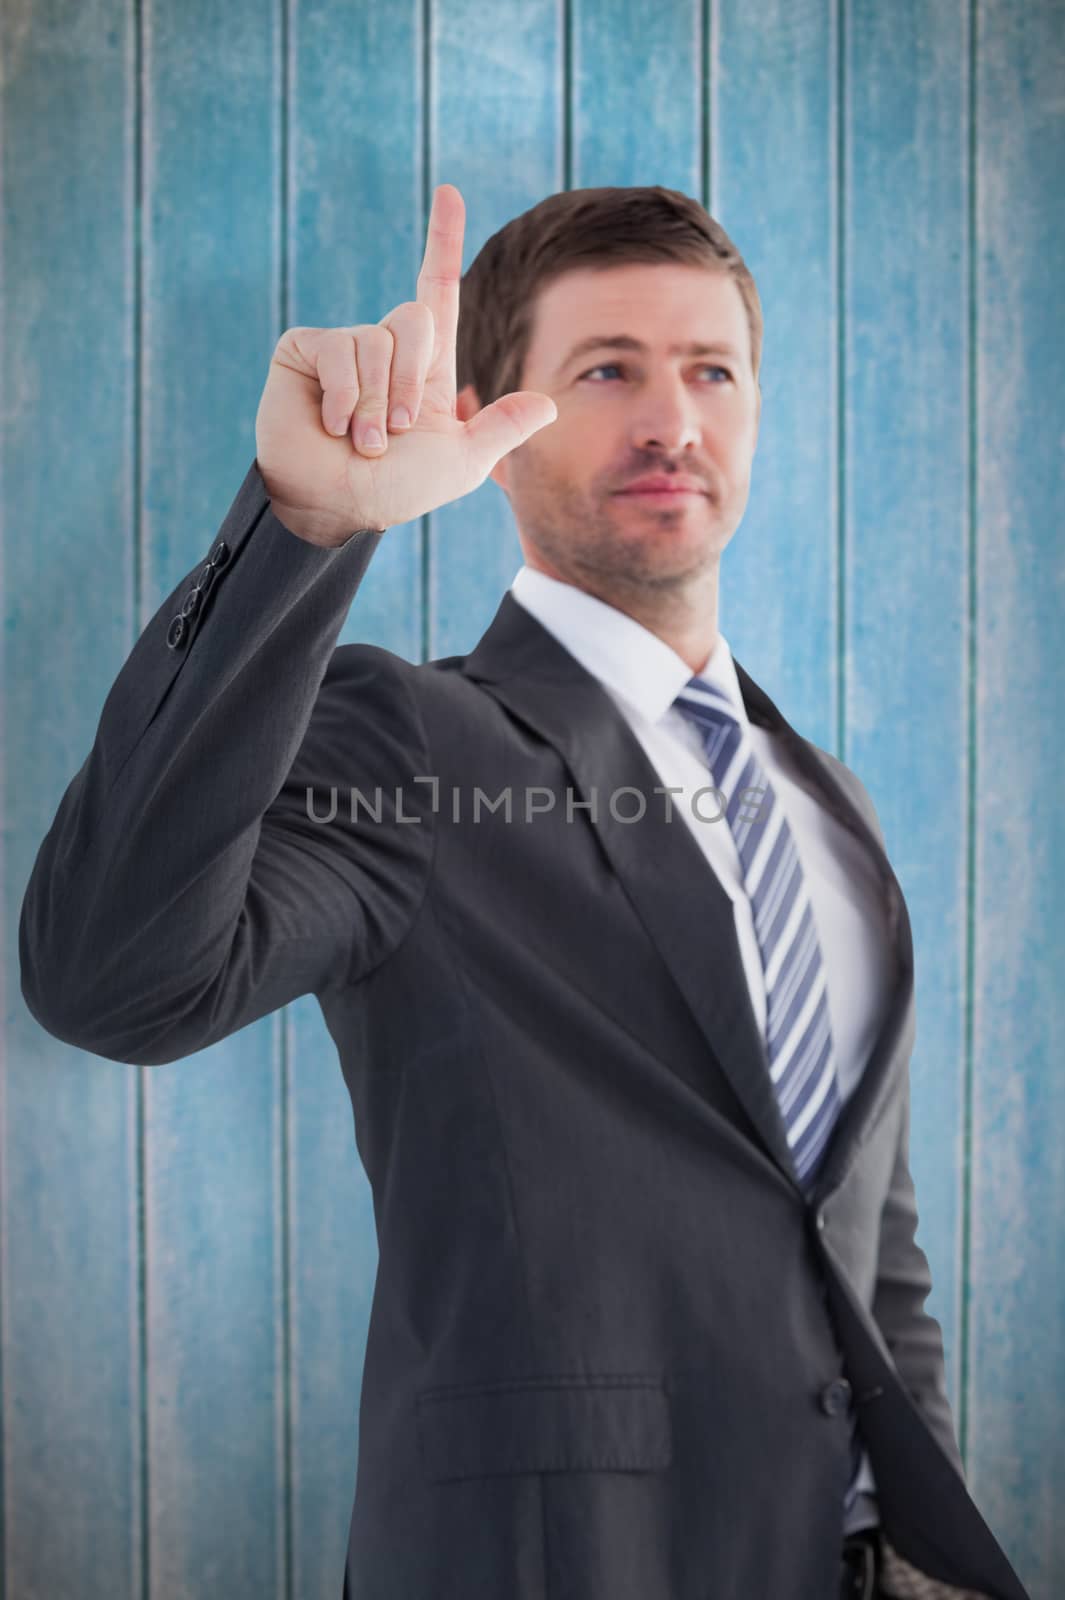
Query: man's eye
{"points": [[608, 366]]}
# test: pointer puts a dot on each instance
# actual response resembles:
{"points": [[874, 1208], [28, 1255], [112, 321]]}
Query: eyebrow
{"points": [[623, 341]]}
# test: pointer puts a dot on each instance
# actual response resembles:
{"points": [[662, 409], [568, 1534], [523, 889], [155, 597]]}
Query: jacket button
{"points": [[219, 555], [176, 631], [820, 1219], [835, 1397], [191, 603]]}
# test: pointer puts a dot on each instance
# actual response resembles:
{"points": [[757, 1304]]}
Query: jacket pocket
{"points": [[545, 1424]]}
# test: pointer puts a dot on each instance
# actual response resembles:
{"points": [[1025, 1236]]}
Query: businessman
{"points": [[619, 974]]}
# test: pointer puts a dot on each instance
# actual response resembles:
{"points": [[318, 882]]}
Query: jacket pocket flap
{"points": [[550, 1424]]}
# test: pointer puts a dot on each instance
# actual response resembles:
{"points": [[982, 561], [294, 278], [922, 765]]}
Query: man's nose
{"points": [[667, 416]]}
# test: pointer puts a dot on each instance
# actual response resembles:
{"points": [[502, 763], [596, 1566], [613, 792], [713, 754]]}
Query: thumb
{"points": [[506, 424]]}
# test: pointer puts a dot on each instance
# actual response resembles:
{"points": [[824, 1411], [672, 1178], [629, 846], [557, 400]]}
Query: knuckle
{"points": [[373, 339], [437, 280], [405, 385], [335, 363], [294, 333], [413, 352], [375, 360], [417, 311], [372, 404], [337, 346]]}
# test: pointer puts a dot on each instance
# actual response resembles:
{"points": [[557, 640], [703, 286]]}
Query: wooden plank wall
{"points": [[187, 1253]]}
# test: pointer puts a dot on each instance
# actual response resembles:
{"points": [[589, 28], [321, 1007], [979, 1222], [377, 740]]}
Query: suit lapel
{"points": [[677, 896], [891, 1048]]}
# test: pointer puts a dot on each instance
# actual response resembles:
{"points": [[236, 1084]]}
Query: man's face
{"points": [[627, 413]]}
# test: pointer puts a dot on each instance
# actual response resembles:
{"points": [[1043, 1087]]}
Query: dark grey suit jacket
{"points": [[614, 1351]]}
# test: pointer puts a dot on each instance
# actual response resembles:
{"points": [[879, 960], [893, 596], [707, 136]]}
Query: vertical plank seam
{"points": [[567, 29], [837, 22], [708, 55], [426, 523], [138, 607], [280, 1035], [4, 1211], [970, 57], [284, 1214], [4, 1124]]}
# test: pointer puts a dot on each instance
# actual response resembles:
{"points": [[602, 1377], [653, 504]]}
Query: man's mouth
{"points": [[661, 496], [656, 486]]}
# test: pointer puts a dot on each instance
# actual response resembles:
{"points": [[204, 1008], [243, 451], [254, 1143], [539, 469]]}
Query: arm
{"points": [[182, 890], [903, 1282]]}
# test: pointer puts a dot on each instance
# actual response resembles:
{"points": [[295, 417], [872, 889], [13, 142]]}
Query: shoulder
{"points": [[365, 684]]}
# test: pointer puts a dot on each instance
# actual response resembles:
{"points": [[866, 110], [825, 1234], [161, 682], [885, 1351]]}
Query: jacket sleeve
{"points": [[903, 1283], [187, 885]]}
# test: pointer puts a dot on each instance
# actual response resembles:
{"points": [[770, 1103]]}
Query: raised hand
{"points": [[328, 388]]}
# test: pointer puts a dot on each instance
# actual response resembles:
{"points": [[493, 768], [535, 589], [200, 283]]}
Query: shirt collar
{"points": [[626, 657]]}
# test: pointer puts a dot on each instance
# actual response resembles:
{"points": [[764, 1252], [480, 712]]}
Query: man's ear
{"points": [[467, 405]]}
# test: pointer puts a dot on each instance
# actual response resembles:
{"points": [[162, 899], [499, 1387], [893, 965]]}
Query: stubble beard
{"points": [[621, 565]]}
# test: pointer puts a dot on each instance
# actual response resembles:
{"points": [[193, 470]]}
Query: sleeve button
{"points": [[176, 631]]}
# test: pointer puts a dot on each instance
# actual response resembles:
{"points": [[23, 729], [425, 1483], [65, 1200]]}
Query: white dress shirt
{"points": [[643, 675]]}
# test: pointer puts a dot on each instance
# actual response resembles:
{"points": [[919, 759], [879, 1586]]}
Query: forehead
{"points": [[658, 303]]}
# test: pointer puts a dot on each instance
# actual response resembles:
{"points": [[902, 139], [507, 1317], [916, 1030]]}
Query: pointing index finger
{"points": [[438, 280]]}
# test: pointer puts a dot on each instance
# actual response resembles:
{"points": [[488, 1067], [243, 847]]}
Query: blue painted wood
{"points": [[354, 248], [72, 1401], [629, 58], [495, 120], [1016, 1264], [188, 1252], [905, 535], [771, 184], [215, 1295]]}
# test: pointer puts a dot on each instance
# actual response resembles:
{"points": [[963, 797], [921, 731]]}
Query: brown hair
{"points": [[579, 228]]}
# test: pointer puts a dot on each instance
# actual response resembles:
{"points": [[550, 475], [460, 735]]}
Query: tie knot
{"points": [[705, 705]]}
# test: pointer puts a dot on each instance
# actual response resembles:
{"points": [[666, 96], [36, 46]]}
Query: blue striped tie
{"points": [[798, 1032]]}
